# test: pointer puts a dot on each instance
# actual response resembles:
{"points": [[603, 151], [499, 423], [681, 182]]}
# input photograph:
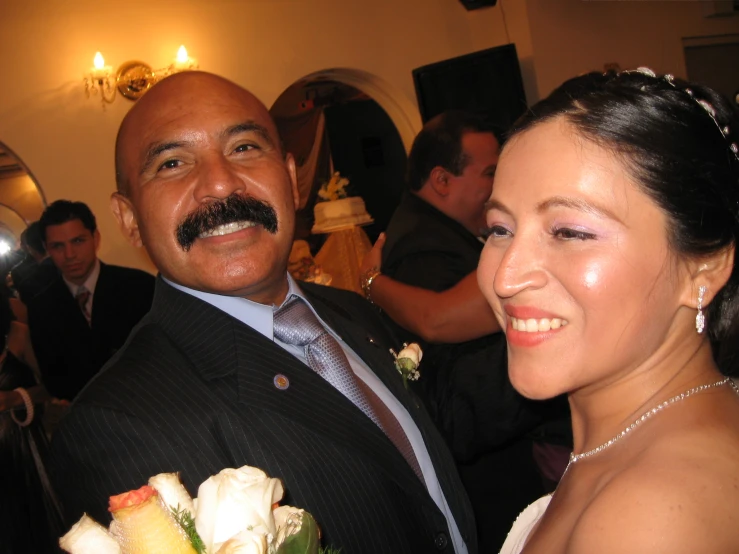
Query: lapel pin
{"points": [[281, 381], [372, 341]]}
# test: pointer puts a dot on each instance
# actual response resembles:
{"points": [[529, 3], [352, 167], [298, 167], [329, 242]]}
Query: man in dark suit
{"points": [[432, 243], [219, 375], [79, 321]]}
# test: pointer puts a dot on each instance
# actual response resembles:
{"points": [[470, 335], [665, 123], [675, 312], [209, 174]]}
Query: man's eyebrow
{"points": [[155, 149], [57, 242], [577, 204], [249, 127]]}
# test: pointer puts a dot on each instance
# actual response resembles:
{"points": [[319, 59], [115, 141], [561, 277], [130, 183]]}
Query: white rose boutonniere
{"points": [[407, 362]]}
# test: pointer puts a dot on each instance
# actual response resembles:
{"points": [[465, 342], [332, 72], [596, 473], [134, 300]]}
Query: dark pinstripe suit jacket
{"points": [[192, 391], [69, 350]]}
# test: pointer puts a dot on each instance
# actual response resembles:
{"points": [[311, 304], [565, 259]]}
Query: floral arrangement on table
{"points": [[407, 362], [236, 512], [334, 188]]}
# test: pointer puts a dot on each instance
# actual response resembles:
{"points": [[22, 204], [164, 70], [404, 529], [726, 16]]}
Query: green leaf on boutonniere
{"points": [[306, 540]]}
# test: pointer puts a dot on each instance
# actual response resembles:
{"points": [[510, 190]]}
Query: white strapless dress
{"points": [[523, 525]]}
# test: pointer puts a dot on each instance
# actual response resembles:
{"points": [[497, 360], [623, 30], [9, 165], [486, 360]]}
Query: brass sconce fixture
{"points": [[133, 78]]}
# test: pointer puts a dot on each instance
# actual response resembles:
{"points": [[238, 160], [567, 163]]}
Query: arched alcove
{"points": [[402, 111], [20, 193], [348, 121]]}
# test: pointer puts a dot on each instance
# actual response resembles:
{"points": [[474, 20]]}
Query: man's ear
{"points": [[439, 181], [126, 217], [96, 238], [712, 272]]}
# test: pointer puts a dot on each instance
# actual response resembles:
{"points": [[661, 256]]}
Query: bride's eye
{"points": [[496, 231], [565, 233]]}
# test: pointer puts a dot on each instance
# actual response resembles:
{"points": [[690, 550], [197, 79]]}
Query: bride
{"points": [[610, 264]]}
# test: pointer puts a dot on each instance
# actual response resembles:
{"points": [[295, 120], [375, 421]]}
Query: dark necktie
{"points": [[82, 297], [296, 324]]}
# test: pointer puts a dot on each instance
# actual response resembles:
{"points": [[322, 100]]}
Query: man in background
{"points": [[433, 243], [85, 315]]}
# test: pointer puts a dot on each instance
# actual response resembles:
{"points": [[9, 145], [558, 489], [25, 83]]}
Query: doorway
{"points": [[332, 126]]}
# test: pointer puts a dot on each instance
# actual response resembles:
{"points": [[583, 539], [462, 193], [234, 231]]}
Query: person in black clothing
{"points": [[432, 242], [210, 378], [30, 516], [85, 315]]}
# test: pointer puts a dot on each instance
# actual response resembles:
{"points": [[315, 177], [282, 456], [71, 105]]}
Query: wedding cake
{"points": [[338, 211]]}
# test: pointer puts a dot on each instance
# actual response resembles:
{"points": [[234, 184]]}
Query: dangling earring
{"points": [[700, 319]]}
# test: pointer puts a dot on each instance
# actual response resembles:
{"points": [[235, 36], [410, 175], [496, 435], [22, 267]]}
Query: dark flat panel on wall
{"points": [[488, 81], [474, 4]]}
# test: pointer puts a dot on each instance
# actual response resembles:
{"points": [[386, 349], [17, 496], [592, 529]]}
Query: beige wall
{"points": [[575, 36], [266, 45]]}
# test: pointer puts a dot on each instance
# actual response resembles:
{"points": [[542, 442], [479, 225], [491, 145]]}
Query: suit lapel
{"points": [[99, 298], [76, 319], [372, 349], [375, 352], [272, 380]]}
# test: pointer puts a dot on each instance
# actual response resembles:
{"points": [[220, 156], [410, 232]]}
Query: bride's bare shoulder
{"points": [[680, 496]]}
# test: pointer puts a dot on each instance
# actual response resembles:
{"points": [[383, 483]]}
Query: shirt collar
{"points": [[259, 317], [89, 284]]}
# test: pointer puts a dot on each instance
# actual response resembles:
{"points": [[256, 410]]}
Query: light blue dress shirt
{"points": [[260, 317]]}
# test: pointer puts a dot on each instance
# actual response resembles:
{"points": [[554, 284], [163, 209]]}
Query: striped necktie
{"points": [[83, 297], [295, 323]]}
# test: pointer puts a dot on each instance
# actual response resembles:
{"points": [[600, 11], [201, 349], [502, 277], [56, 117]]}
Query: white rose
{"points": [[87, 536], [172, 492], [246, 542], [413, 352], [233, 501]]}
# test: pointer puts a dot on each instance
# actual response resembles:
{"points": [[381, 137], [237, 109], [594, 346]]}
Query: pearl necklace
{"points": [[577, 457]]}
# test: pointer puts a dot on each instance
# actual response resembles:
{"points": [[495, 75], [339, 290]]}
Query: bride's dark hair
{"points": [[676, 150]]}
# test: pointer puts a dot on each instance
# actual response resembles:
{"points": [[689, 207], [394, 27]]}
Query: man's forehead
{"points": [[191, 101], [205, 118], [73, 227]]}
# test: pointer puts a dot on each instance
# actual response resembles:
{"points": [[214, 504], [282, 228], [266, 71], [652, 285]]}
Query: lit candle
{"points": [[183, 62], [100, 70]]}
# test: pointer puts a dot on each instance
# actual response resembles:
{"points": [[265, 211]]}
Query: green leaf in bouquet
{"points": [[305, 540], [186, 521]]}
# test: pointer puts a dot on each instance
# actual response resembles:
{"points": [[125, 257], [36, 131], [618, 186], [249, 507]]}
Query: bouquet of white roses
{"points": [[236, 512]]}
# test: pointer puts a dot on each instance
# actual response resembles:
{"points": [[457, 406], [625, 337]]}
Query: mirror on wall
{"points": [[21, 198]]}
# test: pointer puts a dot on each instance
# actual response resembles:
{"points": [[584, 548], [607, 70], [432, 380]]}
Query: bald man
{"points": [[205, 383]]}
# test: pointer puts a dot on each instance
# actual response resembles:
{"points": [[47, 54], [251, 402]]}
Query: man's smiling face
{"points": [[208, 190]]}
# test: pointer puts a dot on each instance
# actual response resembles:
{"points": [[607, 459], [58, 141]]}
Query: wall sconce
{"points": [[133, 78]]}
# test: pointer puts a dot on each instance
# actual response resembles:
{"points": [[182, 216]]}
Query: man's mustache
{"points": [[221, 212]]}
